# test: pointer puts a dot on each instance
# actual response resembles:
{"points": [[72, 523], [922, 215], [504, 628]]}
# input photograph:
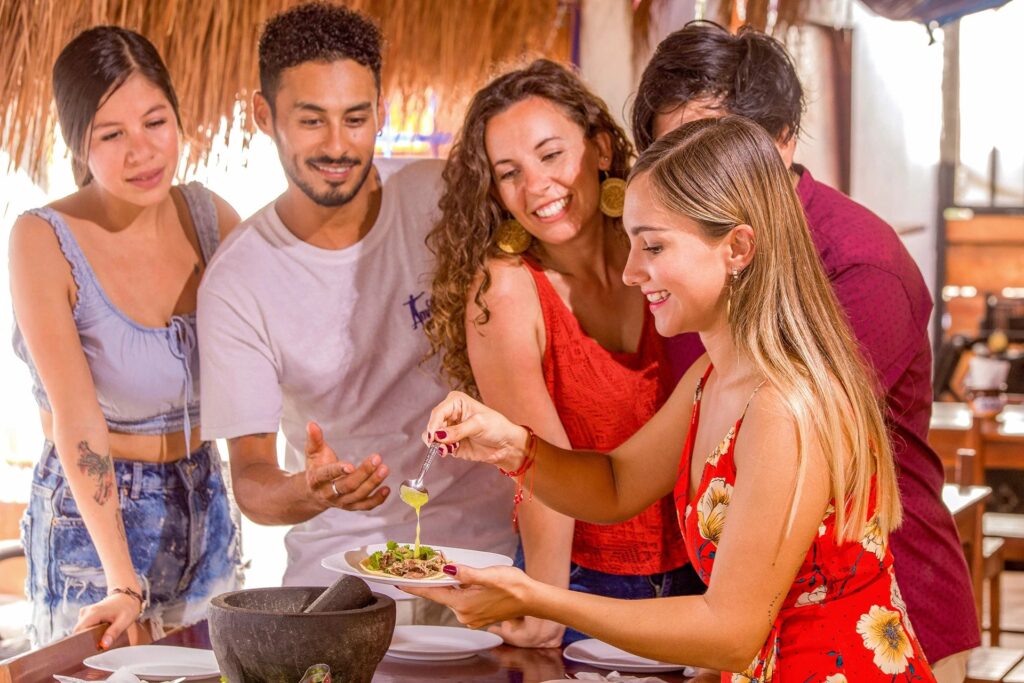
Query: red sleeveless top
{"points": [[843, 620], [603, 397]]}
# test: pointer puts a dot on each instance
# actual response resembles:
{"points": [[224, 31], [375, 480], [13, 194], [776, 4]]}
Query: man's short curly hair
{"points": [[316, 32]]}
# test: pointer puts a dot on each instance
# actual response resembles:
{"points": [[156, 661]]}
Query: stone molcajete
{"points": [[264, 634]]}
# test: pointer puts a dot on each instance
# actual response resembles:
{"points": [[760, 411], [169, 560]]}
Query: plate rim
{"points": [[445, 657], [90, 661], [654, 665], [475, 634], [346, 567]]}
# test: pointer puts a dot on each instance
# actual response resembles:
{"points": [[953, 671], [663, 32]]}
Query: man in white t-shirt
{"points": [[311, 319]]}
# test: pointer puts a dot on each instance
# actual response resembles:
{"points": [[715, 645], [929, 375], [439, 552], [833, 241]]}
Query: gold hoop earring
{"points": [[613, 197], [512, 238], [733, 279]]}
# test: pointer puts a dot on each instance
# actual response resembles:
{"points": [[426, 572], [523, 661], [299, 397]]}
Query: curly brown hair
{"points": [[316, 32], [463, 238]]}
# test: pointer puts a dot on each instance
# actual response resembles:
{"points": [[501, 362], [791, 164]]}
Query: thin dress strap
{"points": [[695, 414], [204, 217], [81, 271], [752, 395]]}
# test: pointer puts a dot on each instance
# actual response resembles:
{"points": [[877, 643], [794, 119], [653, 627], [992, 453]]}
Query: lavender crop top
{"points": [[147, 378]]}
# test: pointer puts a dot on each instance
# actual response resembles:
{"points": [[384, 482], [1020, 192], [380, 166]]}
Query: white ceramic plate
{"points": [[604, 656], [347, 562], [437, 643], [158, 662]]}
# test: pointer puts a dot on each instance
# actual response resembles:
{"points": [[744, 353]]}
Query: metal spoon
{"points": [[417, 483]]}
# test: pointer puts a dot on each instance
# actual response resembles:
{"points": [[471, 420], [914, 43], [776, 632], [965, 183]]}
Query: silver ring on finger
{"points": [[337, 493]]}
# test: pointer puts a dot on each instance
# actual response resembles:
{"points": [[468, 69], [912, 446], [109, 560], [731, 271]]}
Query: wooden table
{"points": [[967, 504], [500, 665], [998, 441]]}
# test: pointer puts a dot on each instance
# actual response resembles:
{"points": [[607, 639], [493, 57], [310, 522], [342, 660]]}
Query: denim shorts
{"points": [[182, 535], [681, 581]]}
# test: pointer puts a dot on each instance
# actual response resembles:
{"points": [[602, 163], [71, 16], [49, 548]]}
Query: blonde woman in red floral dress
{"points": [[786, 489]]}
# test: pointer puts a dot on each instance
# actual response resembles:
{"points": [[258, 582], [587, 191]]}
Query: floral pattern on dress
{"points": [[873, 539], [711, 509], [896, 598], [843, 619], [883, 633], [723, 447]]}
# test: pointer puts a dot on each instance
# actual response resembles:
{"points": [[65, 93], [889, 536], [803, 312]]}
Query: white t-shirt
{"points": [[290, 332]]}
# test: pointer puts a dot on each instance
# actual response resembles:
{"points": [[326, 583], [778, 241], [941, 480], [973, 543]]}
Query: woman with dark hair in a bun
{"points": [[129, 516]]}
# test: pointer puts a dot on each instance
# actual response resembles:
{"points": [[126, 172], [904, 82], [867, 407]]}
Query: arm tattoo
{"points": [[98, 467]]}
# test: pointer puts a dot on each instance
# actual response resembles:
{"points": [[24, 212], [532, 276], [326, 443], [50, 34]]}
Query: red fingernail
{"points": [[450, 569], [441, 435], [449, 447]]}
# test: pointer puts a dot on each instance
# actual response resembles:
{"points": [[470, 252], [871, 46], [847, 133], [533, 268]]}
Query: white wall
{"points": [[897, 119]]}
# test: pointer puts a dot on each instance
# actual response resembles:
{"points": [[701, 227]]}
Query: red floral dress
{"points": [[843, 620]]}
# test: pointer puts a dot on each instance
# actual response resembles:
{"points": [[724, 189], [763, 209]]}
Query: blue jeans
{"points": [[182, 536], [681, 581]]}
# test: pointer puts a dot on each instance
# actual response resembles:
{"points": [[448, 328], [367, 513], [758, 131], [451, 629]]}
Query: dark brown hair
{"points": [[749, 74], [463, 238], [316, 32], [87, 72]]}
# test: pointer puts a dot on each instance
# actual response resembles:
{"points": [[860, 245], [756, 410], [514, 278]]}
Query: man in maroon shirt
{"points": [[701, 71]]}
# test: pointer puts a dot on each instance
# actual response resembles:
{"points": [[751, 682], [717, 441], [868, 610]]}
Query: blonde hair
{"points": [[463, 239], [784, 315]]}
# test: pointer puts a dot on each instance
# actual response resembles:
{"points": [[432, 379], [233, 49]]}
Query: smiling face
{"points": [[545, 170], [682, 272], [324, 122], [133, 144]]}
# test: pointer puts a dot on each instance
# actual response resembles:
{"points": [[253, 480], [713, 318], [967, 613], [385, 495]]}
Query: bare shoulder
{"points": [[33, 238], [511, 290], [514, 321], [769, 438], [40, 273]]}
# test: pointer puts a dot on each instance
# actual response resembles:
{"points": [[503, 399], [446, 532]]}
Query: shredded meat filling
{"points": [[402, 561]]}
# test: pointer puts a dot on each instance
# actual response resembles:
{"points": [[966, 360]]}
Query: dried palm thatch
{"points": [[771, 16], [444, 46]]}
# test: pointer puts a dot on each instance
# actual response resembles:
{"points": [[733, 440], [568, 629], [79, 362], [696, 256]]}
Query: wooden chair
{"points": [[993, 664], [995, 560], [1008, 526]]}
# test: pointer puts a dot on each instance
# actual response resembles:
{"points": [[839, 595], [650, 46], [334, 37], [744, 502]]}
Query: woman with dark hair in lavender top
{"points": [[129, 516]]}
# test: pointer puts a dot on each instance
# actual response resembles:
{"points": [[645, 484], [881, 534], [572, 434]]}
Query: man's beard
{"points": [[332, 197]]}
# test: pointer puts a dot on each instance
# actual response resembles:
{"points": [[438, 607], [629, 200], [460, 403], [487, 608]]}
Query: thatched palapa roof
{"points": [[444, 46], [447, 47]]}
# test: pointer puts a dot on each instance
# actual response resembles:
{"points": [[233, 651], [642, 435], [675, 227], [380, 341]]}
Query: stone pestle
{"points": [[348, 592]]}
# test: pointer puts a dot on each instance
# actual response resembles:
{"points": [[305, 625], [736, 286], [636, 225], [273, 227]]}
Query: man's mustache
{"points": [[334, 162]]}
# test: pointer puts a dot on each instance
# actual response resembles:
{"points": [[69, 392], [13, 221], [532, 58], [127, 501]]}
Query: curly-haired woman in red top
{"points": [[529, 311]]}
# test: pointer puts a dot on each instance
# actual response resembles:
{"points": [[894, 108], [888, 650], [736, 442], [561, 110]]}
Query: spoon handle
{"points": [[432, 452]]}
